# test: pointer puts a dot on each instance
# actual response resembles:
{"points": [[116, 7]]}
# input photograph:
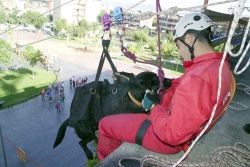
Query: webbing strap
{"points": [[105, 53], [141, 131]]}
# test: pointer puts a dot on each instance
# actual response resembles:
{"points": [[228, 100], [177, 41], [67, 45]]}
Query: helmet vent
{"points": [[197, 18]]}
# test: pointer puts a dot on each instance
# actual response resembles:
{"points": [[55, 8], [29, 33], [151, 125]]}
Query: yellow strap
{"points": [[134, 100]]}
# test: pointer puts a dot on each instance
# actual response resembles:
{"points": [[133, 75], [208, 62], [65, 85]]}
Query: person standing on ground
{"points": [[42, 92], [62, 86], [60, 69], [62, 97], [85, 79], [185, 107], [58, 107], [74, 82], [70, 82], [50, 87]]}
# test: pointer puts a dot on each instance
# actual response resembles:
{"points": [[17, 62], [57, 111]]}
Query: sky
{"points": [[223, 8]]}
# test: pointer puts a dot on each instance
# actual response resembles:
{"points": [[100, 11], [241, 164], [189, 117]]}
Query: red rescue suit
{"points": [[184, 108]]}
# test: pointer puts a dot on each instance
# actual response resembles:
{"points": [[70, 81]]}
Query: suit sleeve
{"points": [[189, 109]]}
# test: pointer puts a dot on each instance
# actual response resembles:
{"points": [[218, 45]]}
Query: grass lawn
{"points": [[17, 86]]}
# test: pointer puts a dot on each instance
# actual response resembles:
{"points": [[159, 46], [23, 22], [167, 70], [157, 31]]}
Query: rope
{"points": [[25, 153], [173, 10], [36, 17], [134, 6], [133, 58], [237, 156], [240, 8]]}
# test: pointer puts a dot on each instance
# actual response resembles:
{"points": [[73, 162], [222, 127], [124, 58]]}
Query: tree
{"points": [[170, 37], [70, 28], [11, 35], [94, 27], [140, 36], [32, 56], [154, 23], [37, 22], [50, 17], [13, 16], [6, 57], [82, 25], [168, 49], [99, 17], [60, 25], [152, 44], [3, 16]]}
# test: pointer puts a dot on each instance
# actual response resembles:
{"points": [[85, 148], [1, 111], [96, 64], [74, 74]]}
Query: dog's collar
{"points": [[134, 100]]}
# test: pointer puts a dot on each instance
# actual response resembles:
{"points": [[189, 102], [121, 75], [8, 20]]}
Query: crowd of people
{"points": [[57, 88], [76, 82]]}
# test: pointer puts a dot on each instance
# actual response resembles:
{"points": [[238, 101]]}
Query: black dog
{"points": [[111, 99]]}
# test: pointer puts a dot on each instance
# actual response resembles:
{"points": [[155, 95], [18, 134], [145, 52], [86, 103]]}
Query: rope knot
{"points": [[128, 54], [161, 76]]}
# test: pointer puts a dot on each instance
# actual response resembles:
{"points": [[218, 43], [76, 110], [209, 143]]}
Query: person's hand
{"points": [[150, 100]]}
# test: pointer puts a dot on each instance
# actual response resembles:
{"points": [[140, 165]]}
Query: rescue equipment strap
{"points": [[134, 100], [141, 131]]}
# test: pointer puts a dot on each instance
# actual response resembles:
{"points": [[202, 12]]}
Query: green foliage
{"points": [[61, 24], [219, 48], [168, 49], [70, 28], [50, 17], [94, 26], [92, 163], [152, 44], [133, 49], [154, 23], [6, 57], [82, 25], [13, 16], [140, 36], [3, 16], [102, 12], [32, 55], [170, 37], [37, 22]]}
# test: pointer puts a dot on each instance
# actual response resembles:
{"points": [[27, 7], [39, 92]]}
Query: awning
{"points": [[221, 17]]}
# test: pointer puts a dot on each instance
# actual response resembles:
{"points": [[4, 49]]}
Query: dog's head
{"points": [[142, 82]]}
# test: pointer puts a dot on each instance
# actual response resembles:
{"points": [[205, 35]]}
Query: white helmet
{"points": [[192, 21]]}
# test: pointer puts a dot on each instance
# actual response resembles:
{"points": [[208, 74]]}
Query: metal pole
{"points": [[205, 3], [1, 140]]}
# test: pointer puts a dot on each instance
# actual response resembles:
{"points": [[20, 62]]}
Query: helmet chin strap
{"points": [[191, 49]]}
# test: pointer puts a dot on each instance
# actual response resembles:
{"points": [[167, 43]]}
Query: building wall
{"points": [[63, 12], [77, 10]]}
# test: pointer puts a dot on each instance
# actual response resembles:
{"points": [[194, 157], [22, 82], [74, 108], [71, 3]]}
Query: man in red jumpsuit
{"points": [[186, 106]]}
